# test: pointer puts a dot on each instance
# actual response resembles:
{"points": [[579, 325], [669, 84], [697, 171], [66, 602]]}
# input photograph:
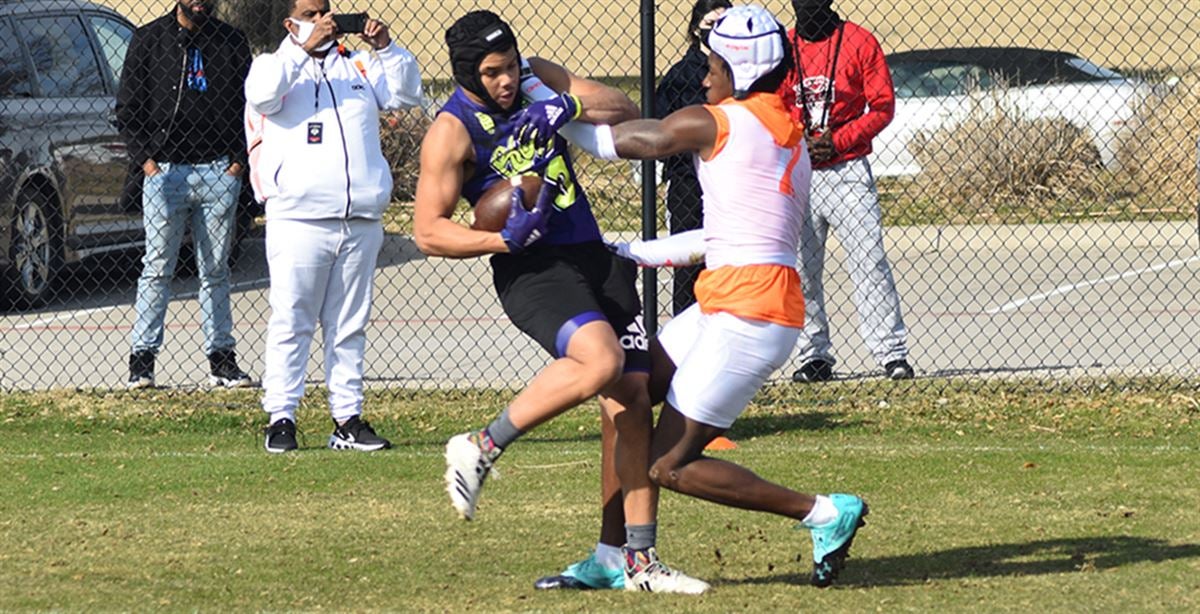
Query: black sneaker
{"points": [[818, 370], [141, 369], [280, 436], [356, 434], [898, 370], [224, 371]]}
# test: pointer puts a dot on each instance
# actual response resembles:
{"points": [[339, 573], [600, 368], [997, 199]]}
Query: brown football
{"points": [[491, 210]]}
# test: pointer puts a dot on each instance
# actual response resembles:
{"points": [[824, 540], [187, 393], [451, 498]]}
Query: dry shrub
{"points": [[997, 158], [400, 134], [1160, 155]]}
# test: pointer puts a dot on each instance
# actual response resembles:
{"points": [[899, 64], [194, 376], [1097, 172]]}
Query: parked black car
{"points": [[63, 166]]}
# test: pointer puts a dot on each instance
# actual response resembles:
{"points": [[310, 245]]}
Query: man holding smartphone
{"points": [[325, 182]]}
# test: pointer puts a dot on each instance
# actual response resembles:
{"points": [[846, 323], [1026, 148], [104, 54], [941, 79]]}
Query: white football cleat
{"points": [[467, 466], [645, 572]]}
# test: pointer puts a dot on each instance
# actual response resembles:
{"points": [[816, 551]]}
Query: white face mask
{"points": [[304, 31]]}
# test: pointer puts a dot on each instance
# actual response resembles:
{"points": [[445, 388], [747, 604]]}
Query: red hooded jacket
{"points": [[862, 102]]}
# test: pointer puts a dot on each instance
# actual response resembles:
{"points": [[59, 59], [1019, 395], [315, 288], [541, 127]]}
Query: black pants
{"points": [[683, 202]]}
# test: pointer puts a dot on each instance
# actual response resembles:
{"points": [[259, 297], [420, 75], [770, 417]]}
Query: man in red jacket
{"points": [[841, 92]]}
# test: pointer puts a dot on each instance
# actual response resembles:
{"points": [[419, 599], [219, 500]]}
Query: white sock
{"points": [[609, 556], [276, 416], [823, 511]]}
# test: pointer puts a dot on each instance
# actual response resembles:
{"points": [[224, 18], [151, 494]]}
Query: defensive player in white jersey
{"points": [[755, 172]]}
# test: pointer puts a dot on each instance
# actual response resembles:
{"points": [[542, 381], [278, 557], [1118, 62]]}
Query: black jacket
{"points": [[679, 88], [150, 104]]}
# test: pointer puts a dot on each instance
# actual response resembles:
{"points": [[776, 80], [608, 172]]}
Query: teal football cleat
{"points": [[584, 575], [832, 540]]}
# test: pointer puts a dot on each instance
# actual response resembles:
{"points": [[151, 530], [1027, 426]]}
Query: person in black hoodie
{"points": [[680, 87], [179, 108]]}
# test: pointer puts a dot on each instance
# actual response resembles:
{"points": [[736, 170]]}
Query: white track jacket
{"points": [[316, 154]]}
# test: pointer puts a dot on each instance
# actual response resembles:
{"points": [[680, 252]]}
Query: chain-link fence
{"points": [[1038, 189]]}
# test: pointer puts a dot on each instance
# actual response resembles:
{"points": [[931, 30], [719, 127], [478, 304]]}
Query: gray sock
{"points": [[502, 432], [641, 536]]}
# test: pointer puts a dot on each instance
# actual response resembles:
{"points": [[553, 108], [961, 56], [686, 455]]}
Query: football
{"points": [[491, 210]]}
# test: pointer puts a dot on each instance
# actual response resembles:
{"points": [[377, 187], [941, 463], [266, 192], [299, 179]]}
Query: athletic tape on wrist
{"points": [[606, 146]]}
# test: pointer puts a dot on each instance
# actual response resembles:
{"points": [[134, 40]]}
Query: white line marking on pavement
{"points": [[1017, 304], [71, 315]]}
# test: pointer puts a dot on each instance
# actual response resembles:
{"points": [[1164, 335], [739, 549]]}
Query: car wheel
{"points": [[37, 251]]}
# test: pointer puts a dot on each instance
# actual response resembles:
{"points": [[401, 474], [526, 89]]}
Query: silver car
{"points": [[64, 168]]}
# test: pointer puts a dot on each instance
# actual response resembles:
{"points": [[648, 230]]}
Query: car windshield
{"points": [[931, 79], [1092, 70]]}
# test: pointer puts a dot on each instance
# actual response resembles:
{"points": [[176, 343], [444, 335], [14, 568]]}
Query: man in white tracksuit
{"points": [[318, 166]]}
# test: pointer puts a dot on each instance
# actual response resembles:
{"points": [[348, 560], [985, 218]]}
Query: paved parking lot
{"points": [[989, 301]]}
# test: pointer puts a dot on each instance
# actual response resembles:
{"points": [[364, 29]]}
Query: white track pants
{"points": [[844, 197], [321, 271]]}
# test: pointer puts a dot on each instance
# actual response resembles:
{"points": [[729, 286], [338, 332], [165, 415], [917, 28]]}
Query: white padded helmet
{"points": [[750, 40]]}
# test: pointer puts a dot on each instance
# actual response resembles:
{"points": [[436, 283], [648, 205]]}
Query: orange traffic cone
{"points": [[721, 443]]}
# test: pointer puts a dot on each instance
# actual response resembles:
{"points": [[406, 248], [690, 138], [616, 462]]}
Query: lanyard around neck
{"points": [[827, 98]]}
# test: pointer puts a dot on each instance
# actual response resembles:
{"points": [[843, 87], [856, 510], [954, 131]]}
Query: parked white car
{"points": [[936, 88]]}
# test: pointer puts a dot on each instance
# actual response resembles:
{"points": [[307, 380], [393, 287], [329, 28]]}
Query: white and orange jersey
{"points": [[755, 184]]}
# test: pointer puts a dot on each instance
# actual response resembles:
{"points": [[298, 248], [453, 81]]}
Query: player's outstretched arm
{"points": [[683, 249], [444, 151], [601, 104], [691, 129]]}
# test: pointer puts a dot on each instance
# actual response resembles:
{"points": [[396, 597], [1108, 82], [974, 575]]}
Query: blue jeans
{"points": [[207, 197]]}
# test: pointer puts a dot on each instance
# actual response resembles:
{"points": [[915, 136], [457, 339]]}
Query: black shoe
{"points": [[818, 370], [224, 371], [141, 369], [356, 434], [280, 436], [898, 370]]}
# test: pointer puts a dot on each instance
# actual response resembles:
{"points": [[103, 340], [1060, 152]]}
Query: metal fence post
{"points": [[649, 178]]}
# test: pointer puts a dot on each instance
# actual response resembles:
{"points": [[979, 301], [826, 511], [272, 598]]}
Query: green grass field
{"points": [[1000, 498]]}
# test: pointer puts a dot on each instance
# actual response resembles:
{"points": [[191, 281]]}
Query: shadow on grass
{"points": [[1053, 556], [817, 421]]}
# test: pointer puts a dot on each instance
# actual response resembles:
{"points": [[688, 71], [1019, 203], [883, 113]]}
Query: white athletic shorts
{"points": [[721, 361]]}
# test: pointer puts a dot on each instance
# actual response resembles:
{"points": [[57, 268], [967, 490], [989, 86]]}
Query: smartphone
{"points": [[350, 23]]}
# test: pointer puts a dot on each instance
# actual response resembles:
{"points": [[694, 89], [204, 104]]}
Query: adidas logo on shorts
{"points": [[635, 336]]}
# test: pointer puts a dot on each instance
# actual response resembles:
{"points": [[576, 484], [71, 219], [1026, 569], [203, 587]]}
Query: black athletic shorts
{"points": [[550, 291]]}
